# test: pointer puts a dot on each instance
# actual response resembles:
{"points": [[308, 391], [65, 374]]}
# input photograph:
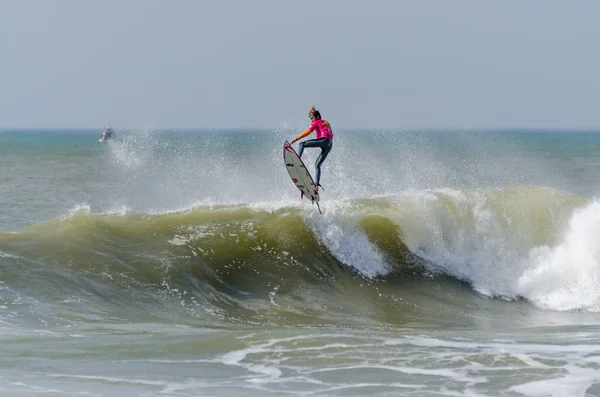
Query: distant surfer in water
{"points": [[106, 134], [324, 139]]}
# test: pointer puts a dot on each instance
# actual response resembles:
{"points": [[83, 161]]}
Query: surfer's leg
{"points": [[325, 146], [309, 143]]}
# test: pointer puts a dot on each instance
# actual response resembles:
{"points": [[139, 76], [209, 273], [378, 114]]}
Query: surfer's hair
{"points": [[315, 113]]}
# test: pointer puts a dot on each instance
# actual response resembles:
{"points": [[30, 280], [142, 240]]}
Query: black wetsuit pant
{"points": [[325, 144]]}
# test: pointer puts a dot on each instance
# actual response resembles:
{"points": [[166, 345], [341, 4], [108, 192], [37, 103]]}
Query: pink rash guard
{"points": [[323, 129]]}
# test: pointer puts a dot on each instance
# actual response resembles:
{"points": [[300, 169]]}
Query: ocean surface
{"points": [[184, 263]]}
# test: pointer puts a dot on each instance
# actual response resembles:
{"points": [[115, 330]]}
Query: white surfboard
{"points": [[299, 174]]}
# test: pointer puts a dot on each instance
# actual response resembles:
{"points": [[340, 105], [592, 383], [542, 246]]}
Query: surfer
{"points": [[106, 134], [324, 139]]}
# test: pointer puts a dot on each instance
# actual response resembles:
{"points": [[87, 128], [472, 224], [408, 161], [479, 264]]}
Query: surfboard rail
{"points": [[300, 174]]}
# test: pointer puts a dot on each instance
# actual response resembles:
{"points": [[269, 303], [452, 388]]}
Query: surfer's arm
{"points": [[304, 134]]}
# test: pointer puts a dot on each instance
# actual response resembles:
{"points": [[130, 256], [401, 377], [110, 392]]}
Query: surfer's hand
{"points": [[293, 140]]}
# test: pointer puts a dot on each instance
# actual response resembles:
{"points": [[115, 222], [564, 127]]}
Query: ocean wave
{"points": [[513, 242]]}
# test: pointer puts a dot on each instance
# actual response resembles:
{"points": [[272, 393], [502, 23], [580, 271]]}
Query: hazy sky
{"points": [[262, 63]]}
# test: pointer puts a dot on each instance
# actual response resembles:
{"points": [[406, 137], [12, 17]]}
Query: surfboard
{"points": [[300, 175]]}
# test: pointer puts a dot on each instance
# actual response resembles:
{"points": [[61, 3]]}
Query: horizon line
{"points": [[190, 129]]}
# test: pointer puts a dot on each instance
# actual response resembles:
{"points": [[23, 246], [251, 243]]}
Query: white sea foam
{"points": [[321, 363], [494, 245], [340, 232], [567, 276]]}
